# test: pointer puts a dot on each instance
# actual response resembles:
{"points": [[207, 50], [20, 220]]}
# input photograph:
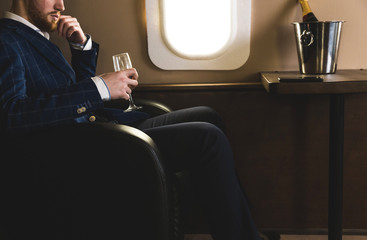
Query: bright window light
{"points": [[198, 34], [197, 28]]}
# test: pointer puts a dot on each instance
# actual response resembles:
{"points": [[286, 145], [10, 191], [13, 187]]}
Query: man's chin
{"points": [[53, 27], [49, 27]]}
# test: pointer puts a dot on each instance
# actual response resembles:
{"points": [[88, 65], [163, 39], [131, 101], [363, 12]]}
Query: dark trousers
{"points": [[58, 196], [193, 140]]}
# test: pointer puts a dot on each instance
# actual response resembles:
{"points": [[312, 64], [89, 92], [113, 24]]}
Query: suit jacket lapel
{"points": [[45, 47]]}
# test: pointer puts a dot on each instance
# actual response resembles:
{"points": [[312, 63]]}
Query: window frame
{"points": [[233, 56]]}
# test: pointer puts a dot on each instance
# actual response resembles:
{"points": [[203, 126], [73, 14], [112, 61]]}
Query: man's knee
{"points": [[209, 115], [214, 138]]}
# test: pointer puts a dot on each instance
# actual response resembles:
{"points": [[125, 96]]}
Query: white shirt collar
{"points": [[18, 18]]}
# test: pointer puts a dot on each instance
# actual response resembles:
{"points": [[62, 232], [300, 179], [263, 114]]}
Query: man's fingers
{"points": [[132, 73], [120, 84], [68, 26]]}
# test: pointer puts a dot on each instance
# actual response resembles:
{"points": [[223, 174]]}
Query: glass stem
{"points": [[131, 100]]}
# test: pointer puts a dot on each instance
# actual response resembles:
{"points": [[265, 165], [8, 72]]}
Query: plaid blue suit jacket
{"points": [[38, 87]]}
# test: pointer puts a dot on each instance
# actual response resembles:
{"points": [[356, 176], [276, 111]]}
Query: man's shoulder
{"points": [[11, 31], [8, 26]]}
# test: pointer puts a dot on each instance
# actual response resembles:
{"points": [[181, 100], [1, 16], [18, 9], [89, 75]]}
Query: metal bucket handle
{"points": [[307, 38]]}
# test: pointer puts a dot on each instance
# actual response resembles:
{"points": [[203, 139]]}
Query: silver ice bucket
{"points": [[318, 46]]}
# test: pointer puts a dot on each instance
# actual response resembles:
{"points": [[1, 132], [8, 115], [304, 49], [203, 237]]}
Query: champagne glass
{"points": [[122, 62]]}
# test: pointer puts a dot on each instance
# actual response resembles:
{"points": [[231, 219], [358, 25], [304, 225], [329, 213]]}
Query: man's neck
{"points": [[19, 8]]}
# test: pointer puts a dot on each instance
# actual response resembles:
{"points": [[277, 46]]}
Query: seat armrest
{"points": [[115, 164]]}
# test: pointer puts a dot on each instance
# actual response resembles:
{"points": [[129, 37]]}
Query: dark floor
{"points": [[283, 237]]}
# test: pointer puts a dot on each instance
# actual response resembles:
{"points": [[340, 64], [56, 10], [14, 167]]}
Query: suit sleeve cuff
{"points": [[102, 88], [86, 47]]}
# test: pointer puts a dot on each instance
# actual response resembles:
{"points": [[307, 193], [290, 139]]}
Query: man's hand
{"points": [[69, 28], [120, 84]]}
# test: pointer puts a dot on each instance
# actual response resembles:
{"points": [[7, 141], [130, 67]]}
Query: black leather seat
{"points": [[104, 177]]}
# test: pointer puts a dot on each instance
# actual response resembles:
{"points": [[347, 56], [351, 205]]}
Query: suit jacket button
{"points": [[81, 110], [92, 119]]}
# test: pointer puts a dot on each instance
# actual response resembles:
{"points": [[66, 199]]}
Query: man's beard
{"points": [[40, 20]]}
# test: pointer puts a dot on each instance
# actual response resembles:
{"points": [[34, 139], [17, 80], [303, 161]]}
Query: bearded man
{"points": [[39, 89]]}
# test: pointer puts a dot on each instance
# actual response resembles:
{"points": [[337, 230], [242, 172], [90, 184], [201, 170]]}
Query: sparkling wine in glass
{"points": [[122, 62]]}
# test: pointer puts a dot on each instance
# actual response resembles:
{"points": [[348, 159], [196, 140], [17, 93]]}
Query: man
{"points": [[38, 89]]}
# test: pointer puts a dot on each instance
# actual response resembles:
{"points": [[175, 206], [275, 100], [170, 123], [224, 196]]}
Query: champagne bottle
{"points": [[308, 15]]}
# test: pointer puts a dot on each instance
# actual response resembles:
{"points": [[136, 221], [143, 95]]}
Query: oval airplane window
{"points": [[198, 34], [197, 28]]}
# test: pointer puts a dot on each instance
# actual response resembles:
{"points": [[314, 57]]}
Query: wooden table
{"points": [[335, 85]]}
